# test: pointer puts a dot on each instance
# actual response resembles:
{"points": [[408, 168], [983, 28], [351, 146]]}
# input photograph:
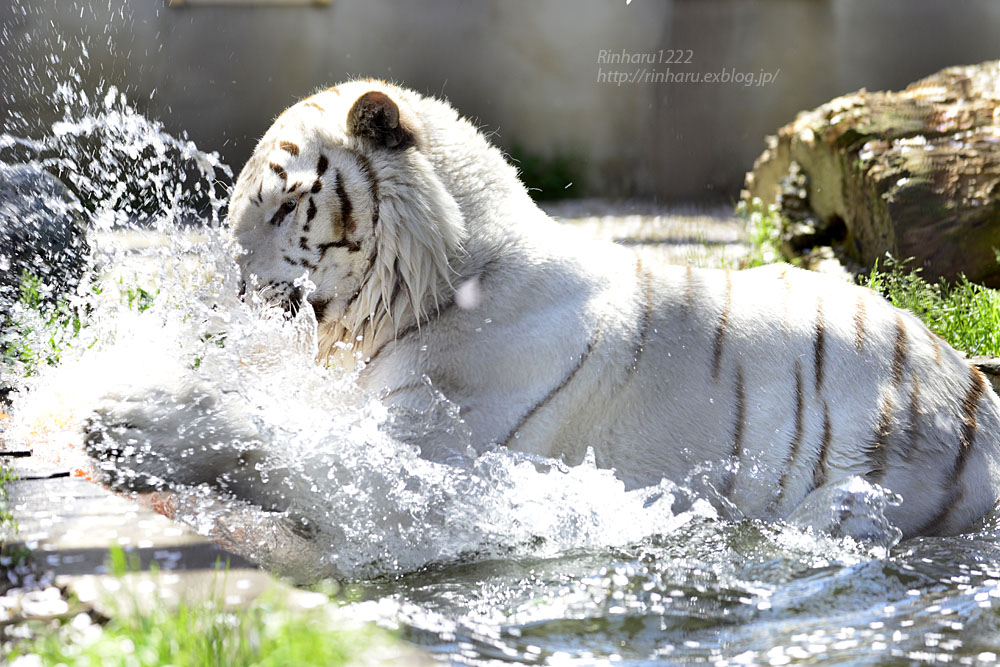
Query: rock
{"points": [[914, 173], [41, 231], [989, 367]]}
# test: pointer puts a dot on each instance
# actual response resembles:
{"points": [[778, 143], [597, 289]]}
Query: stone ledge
{"points": [[70, 524]]}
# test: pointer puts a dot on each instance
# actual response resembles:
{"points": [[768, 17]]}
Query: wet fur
{"points": [[428, 260]]}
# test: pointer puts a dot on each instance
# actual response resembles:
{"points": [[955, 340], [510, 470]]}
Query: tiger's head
{"points": [[340, 191]]}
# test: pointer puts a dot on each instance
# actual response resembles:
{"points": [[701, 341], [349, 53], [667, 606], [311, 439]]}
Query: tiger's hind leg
{"points": [[849, 507]]}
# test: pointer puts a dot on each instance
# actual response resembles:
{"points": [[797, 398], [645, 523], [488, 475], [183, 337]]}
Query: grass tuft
{"points": [[8, 527], [764, 225], [37, 331], [965, 314], [206, 633]]}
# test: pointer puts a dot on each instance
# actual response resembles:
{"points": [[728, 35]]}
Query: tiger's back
{"points": [[793, 379]]}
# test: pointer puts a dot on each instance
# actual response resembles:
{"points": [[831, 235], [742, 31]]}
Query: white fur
{"points": [[464, 281]]}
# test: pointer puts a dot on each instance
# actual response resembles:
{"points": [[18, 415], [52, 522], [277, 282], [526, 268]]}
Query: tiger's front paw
{"points": [[168, 438], [131, 441], [160, 437]]}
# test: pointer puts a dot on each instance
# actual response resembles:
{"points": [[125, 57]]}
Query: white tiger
{"points": [[429, 259]]}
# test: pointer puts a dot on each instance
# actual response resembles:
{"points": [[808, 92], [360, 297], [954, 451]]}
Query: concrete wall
{"points": [[527, 69]]}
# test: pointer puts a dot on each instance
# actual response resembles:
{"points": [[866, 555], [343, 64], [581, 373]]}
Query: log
{"points": [[915, 173]]}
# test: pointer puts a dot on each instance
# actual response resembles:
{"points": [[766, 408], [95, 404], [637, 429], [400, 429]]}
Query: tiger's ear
{"points": [[374, 116]]}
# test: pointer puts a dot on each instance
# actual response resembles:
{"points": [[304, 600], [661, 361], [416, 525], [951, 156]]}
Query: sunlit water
{"points": [[493, 558]]}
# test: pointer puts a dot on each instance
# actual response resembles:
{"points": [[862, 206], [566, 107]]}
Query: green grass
{"points": [[38, 331], [764, 227], [8, 527], [265, 634], [965, 314], [137, 298], [205, 633], [6, 476], [550, 177]]}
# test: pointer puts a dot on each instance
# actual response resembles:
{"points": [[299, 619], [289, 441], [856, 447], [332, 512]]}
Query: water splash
{"points": [[125, 169], [354, 501], [224, 383], [170, 353], [582, 572]]}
